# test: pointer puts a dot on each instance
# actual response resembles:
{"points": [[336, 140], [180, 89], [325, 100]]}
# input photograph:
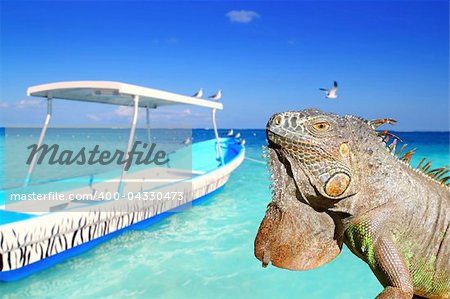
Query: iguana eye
{"points": [[321, 126]]}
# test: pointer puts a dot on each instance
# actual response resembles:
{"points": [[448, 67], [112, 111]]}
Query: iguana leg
{"points": [[391, 269]]}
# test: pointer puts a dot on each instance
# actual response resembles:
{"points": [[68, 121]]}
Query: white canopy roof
{"points": [[115, 93]]}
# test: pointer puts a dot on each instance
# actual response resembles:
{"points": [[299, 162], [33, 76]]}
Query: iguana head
{"points": [[319, 149], [314, 166]]}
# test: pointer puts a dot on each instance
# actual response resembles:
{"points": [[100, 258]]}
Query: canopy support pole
{"points": [[148, 126], [130, 141], [219, 149], [40, 140]]}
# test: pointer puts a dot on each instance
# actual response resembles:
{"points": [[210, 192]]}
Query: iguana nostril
{"points": [[337, 184], [278, 120]]}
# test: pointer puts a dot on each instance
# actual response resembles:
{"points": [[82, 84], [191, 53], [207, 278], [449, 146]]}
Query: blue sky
{"points": [[390, 58]]}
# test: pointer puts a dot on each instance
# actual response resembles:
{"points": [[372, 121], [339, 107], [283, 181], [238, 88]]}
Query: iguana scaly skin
{"points": [[336, 181]]}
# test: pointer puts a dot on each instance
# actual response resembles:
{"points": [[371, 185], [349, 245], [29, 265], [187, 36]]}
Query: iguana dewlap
{"points": [[336, 181]]}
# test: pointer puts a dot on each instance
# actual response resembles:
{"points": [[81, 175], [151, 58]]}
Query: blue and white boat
{"points": [[37, 239]]}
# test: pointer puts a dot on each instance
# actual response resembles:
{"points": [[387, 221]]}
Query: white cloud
{"points": [[242, 16], [123, 111], [4, 104], [173, 114], [29, 104], [94, 117], [186, 112]]}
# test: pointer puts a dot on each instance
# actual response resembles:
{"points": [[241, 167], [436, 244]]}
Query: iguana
{"points": [[336, 180]]}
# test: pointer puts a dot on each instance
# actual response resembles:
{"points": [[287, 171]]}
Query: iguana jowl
{"points": [[334, 181]]}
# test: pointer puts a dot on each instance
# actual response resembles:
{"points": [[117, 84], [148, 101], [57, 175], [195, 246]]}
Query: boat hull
{"points": [[37, 243]]}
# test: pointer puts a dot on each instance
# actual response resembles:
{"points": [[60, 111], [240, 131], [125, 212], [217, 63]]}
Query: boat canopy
{"points": [[116, 93]]}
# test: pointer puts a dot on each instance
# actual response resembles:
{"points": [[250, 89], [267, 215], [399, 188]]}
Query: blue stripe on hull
{"points": [[54, 259]]}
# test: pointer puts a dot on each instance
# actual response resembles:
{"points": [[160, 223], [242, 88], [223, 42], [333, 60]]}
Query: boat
{"points": [[37, 238]]}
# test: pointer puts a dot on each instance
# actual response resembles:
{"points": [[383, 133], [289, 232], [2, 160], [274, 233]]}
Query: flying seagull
{"points": [[217, 96], [199, 93], [331, 93]]}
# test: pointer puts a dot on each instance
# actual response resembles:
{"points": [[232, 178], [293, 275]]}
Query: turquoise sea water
{"points": [[207, 251]]}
